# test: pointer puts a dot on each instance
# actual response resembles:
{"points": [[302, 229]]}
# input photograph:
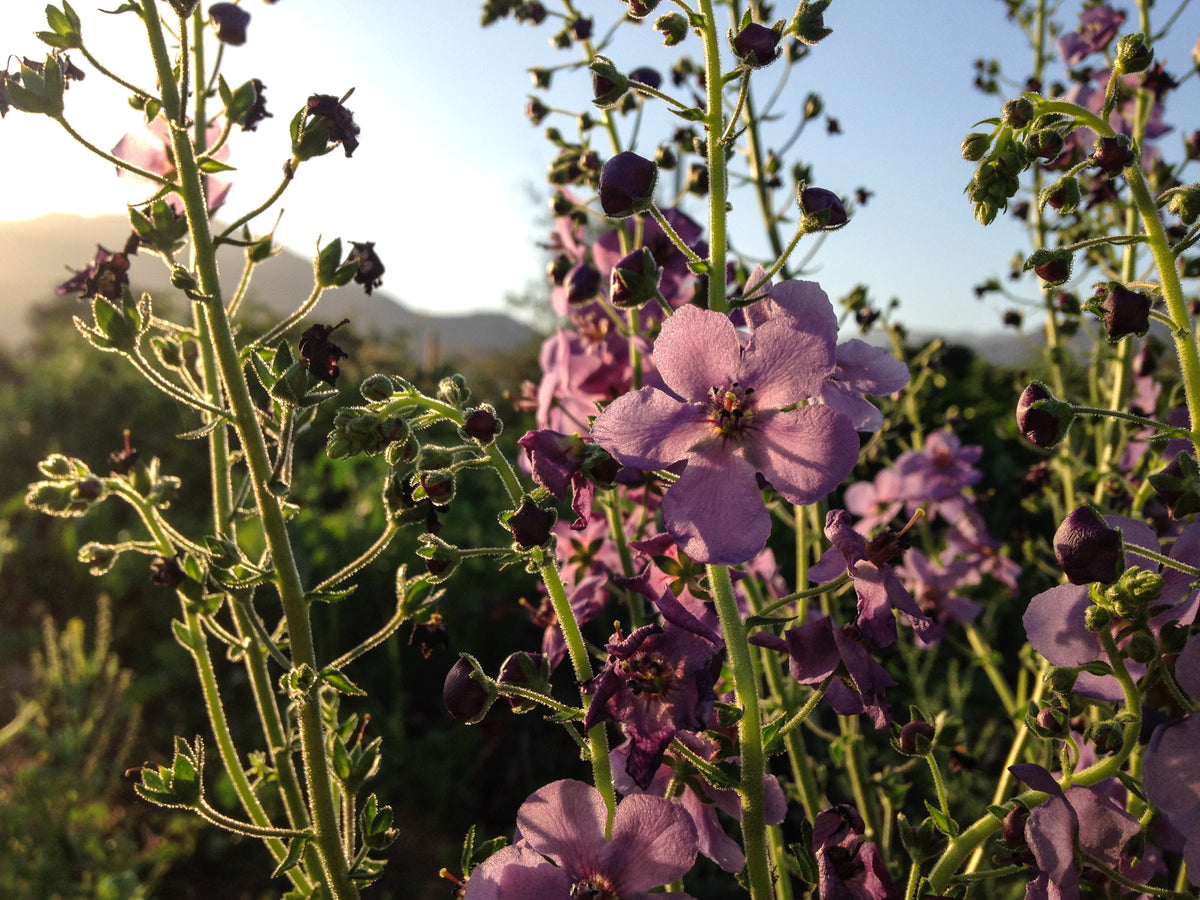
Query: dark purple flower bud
{"points": [[1124, 312], [558, 268], [581, 28], [528, 670], [1052, 722], [1012, 319], [582, 284], [635, 279], [647, 76], [1052, 266], [466, 698], [1014, 826], [639, 9], [481, 425], [319, 354], [1064, 195], [1087, 549], [627, 185], [536, 110], [533, 12], [665, 159], [370, 267], [1112, 154], [531, 525], [756, 45], [915, 738], [1042, 418], [697, 180], [230, 21], [166, 572], [822, 209], [1179, 485], [609, 84]]}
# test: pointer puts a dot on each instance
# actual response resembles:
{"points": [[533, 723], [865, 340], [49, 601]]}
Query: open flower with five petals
{"points": [[729, 414]]}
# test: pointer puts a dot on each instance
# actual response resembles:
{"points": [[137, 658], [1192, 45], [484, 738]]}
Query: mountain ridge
{"points": [[38, 254]]}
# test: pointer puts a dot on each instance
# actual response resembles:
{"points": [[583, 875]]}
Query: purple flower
{"points": [[939, 473], [1097, 26], [848, 868], [658, 681], [151, 150], [878, 588], [653, 843], [935, 591], [723, 416], [1172, 766], [1082, 816], [714, 842], [105, 276], [874, 502], [821, 648]]}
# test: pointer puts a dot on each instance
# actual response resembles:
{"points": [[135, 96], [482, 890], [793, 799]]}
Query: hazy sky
{"points": [[445, 178]]}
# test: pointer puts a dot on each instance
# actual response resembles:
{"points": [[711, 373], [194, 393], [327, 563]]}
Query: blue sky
{"points": [[446, 178]]}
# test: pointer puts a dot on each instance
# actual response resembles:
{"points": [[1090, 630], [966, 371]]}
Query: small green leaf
{"points": [[944, 823], [341, 683], [294, 853], [212, 166]]}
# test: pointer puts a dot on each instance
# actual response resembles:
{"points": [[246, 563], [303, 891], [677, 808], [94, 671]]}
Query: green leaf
{"points": [[211, 166], [689, 115], [294, 853], [341, 683], [944, 823], [182, 634]]}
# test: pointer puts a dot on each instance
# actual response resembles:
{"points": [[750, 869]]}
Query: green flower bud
{"points": [[674, 28], [376, 387], [1185, 204], [974, 146], [1132, 54]]}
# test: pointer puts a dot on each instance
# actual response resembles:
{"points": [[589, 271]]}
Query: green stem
{"points": [[714, 125], [257, 458], [750, 740], [1172, 289]]}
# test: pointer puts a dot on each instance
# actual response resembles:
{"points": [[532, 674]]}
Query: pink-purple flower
{"points": [[562, 852], [729, 414]]}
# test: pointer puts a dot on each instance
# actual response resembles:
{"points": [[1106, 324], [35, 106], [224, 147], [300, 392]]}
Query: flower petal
{"points": [[565, 821], [650, 429], [1055, 628], [517, 873], [805, 453], [653, 843], [696, 350], [715, 511], [785, 362]]}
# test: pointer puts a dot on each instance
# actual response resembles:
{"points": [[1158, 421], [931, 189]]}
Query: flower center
{"points": [[733, 408], [597, 887], [646, 674]]}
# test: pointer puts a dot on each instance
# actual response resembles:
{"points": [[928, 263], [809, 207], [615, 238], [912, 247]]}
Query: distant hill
{"points": [[37, 254]]}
